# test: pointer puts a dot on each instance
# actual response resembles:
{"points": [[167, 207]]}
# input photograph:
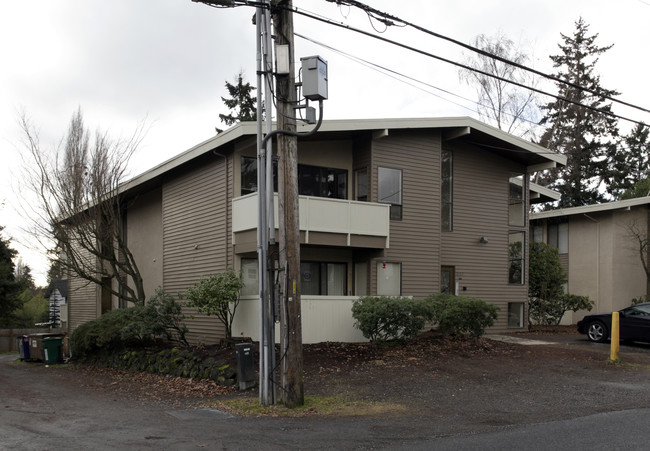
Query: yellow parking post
{"points": [[614, 338]]}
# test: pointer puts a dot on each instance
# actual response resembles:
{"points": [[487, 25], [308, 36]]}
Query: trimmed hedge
{"points": [[382, 318]]}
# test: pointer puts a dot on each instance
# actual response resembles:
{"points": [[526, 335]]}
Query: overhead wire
{"points": [[389, 17]]}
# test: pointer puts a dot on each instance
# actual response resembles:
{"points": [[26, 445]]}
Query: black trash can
{"points": [[245, 365]]}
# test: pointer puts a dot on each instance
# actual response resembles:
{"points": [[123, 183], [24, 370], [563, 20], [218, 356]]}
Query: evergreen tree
{"points": [[9, 288], [629, 166], [587, 136], [242, 104]]}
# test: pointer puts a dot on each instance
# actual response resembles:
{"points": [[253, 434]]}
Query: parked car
{"points": [[634, 324]]}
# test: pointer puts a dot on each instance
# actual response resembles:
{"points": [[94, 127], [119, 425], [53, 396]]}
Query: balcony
{"points": [[323, 221]]}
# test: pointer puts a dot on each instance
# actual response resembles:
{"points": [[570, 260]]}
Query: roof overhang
{"points": [[464, 129], [587, 209]]}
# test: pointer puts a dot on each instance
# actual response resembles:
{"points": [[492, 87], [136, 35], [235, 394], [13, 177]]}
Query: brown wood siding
{"points": [[82, 301], [415, 239], [195, 236], [480, 208]]}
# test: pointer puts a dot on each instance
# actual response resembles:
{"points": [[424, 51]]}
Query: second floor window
{"points": [[446, 191], [389, 190]]}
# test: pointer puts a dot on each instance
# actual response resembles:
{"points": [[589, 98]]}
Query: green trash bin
{"points": [[52, 350]]}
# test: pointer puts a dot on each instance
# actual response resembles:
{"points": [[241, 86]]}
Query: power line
{"points": [[388, 18], [464, 66]]}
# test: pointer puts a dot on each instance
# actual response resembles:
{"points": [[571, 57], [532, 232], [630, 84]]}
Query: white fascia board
{"points": [[586, 209], [544, 191]]}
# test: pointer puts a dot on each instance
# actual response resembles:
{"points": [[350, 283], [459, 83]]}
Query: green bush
{"points": [[456, 315], [387, 317], [137, 326]]}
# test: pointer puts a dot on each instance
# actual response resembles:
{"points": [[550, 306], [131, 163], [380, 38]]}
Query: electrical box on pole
{"points": [[314, 78]]}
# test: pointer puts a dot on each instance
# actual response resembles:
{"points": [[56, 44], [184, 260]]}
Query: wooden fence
{"points": [[8, 336]]}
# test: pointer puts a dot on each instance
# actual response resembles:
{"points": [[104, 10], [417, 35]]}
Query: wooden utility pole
{"points": [[291, 319]]}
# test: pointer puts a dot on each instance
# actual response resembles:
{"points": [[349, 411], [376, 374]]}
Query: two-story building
{"points": [[387, 207]]}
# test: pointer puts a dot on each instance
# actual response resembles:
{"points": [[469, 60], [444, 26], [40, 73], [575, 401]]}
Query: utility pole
{"points": [[291, 319]]}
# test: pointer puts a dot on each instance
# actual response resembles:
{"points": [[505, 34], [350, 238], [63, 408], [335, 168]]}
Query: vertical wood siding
{"points": [[480, 196], [415, 239], [196, 235]]}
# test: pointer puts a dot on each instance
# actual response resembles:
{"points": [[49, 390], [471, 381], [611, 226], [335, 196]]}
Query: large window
{"points": [[516, 257], [322, 182], [324, 279], [389, 279], [448, 280], [389, 190], [446, 191], [558, 237], [516, 198]]}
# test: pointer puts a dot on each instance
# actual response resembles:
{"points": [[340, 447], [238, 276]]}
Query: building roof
{"points": [[58, 284], [465, 129], [586, 209]]}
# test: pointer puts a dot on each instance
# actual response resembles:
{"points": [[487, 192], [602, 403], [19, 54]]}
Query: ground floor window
{"points": [[516, 258], [249, 277], [448, 280], [389, 279], [515, 315], [323, 279]]}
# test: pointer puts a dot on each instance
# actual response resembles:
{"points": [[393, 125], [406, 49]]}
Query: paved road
{"points": [[46, 409]]}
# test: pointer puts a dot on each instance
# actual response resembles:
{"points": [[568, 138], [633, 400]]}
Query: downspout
{"points": [[597, 256]]}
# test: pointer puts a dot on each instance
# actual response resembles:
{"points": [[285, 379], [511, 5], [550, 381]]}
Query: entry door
{"points": [[448, 280]]}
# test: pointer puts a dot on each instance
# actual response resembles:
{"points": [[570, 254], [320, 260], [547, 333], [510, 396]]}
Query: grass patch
{"points": [[314, 406]]}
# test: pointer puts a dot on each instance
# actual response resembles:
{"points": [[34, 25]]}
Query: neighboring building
{"points": [[598, 250], [388, 206], [57, 293]]}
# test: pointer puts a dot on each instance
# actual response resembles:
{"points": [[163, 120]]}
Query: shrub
{"points": [[217, 295], [161, 317], [550, 312], [388, 318], [456, 315]]}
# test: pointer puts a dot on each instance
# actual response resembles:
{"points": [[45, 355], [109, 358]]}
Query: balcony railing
{"points": [[320, 214]]}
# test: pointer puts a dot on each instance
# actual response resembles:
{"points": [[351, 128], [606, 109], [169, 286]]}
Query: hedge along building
{"points": [[387, 207]]}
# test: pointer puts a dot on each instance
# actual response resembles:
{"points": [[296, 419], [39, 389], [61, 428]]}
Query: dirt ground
{"points": [[450, 385]]}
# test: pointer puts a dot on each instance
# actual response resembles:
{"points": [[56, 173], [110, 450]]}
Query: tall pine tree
{"points": [[242, 104], [587, 136], [630, 165]]}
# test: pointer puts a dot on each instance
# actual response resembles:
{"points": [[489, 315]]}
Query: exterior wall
{"points": [[480, 208], [144, 238], [415, 239], [603, 259], [196, 242], [83, 301]]}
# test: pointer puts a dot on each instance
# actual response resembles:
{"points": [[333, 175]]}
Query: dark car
{"points": [[634, 324]]}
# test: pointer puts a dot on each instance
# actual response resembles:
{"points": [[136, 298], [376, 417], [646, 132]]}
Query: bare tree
{"points": [[79, 208], [506, 106], [639, 237]]}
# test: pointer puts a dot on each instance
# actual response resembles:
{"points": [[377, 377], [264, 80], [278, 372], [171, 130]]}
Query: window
{"points": [[389, 190], [558, 237], [446, 191], [249, 175], [516, 258], [389, 279], [515, 315], [323, 279], [538, 233], [249, 277], [322, 182], [516, 198], [361, 180], [448, 280]]}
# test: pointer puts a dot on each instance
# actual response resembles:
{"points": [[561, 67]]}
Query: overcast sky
{"points": [[123, 61]]}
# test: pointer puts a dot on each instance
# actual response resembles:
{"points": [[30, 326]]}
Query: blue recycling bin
{"points": [[23, 347]]}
